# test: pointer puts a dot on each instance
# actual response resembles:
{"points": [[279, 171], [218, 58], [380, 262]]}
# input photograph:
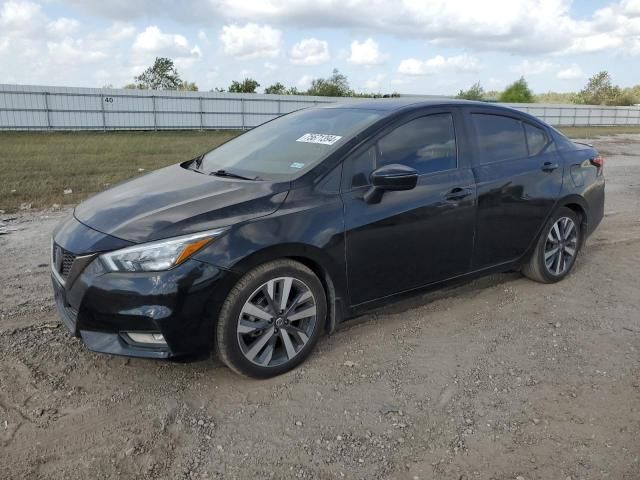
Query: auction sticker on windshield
{"points": [[323, 138]]}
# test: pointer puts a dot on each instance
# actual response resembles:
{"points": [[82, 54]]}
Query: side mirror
{"points": [[392, 177]]}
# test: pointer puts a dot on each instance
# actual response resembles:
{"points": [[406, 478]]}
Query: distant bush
{"points": [[600, 90], [555, 97], [475, 92], [517, 92]]}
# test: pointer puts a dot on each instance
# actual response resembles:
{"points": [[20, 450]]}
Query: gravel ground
{"points": [[501, 378]]}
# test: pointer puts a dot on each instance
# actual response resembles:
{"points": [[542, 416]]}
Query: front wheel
{"points": [[557, 248], [271, 319]]}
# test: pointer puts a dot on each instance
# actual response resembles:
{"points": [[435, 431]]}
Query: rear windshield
{"points": [[289, 145]]}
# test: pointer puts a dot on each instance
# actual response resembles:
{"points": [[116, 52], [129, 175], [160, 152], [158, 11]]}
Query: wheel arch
{"points": [[573, 202], [579, 206], [318, 261]]}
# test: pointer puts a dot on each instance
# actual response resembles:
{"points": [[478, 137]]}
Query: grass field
{"points": [[37, 167], [591, 132]]}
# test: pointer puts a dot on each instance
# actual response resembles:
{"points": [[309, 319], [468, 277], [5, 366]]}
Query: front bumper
{"points": [[181, 304]]}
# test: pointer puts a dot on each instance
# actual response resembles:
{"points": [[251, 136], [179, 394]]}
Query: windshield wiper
{"points": [[224, 173]]}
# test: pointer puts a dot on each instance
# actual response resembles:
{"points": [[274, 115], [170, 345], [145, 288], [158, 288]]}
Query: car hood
{"points": [[176, 201]]}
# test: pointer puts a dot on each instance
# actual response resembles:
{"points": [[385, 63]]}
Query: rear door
{"points": [[415, 237], [519, 177]]}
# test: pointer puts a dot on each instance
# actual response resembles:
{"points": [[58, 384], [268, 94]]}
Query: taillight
{"points": [[598, 162]]}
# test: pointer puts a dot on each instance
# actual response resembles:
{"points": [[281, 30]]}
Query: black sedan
{"points": [[256, 248]]}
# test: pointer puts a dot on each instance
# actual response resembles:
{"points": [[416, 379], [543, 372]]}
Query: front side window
{"points": [[427, 144], [361, 167], [288, 146], [499, 138]]}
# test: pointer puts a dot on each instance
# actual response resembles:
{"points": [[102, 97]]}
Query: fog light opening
{"points": [[155, 339]]}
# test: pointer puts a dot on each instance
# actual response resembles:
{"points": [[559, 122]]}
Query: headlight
{"points": [[158, 256]]}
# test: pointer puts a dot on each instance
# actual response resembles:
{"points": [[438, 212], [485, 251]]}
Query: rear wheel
{"points": [[271, 319], [557, 248]]}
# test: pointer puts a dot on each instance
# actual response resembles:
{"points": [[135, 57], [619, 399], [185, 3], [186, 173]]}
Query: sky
{"points": [[409, 46]]}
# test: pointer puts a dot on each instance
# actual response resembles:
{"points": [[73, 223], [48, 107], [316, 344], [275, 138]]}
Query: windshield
{"points": [[287, 146]]}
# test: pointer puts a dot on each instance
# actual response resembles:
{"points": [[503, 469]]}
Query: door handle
{"points": [[458, 193], [549, 166]]}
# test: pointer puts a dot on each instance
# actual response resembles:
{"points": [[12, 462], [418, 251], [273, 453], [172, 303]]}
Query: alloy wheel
{"points": [[276, 321], [561, 246]]}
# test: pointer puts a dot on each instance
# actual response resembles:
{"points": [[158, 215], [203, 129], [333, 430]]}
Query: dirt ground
{"points": [[501, 378]]}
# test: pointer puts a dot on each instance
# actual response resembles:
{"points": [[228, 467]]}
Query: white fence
{"points": [[25, 107]]}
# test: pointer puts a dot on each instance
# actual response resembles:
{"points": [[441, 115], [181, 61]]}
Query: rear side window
{"points": [[427, 144], [499, 138], [536, 139]]}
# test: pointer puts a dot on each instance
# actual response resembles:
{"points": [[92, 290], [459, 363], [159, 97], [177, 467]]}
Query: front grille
{"points": [[62, 260], [67, 263]]}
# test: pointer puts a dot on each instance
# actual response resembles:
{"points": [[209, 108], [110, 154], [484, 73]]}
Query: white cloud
{"points": [[69, 51], [251, 41], [270, 67], [59, 50], [304, 82], [595, 43], [439, 64], [152, 40], [365, 53], [63, 26], [631, 7], [310, 51], [573, 72], [374, 84], [20, 16], [516, 26], [528, 68], [121, 31]]}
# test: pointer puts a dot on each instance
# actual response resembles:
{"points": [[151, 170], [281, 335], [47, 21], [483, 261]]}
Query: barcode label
{"points": [[322, 138]]}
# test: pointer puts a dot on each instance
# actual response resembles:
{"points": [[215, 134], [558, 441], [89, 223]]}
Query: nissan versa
{"points": [[257, 247]]}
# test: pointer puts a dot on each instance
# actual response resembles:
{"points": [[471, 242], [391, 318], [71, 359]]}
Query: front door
{"points": [[415, 237]]}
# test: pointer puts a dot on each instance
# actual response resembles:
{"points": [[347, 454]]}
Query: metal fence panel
{"points": [[27, 107]]}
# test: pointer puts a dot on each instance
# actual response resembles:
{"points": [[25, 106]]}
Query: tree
{"points": [[276, 89], [517, 92], [188, 87], [162, 75], [599, 90], [633, 94], [555, 97], [336, 85], [476, 92], [248, 85]]}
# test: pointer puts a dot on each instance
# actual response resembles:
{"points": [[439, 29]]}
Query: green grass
{"points": [[37, 167], [590, 132]]}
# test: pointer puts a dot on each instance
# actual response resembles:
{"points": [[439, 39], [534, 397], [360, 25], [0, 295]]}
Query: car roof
{"points": [[391, 105]]}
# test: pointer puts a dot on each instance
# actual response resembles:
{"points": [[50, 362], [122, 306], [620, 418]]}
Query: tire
{"points": [[551, 259], [271, 320]]}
